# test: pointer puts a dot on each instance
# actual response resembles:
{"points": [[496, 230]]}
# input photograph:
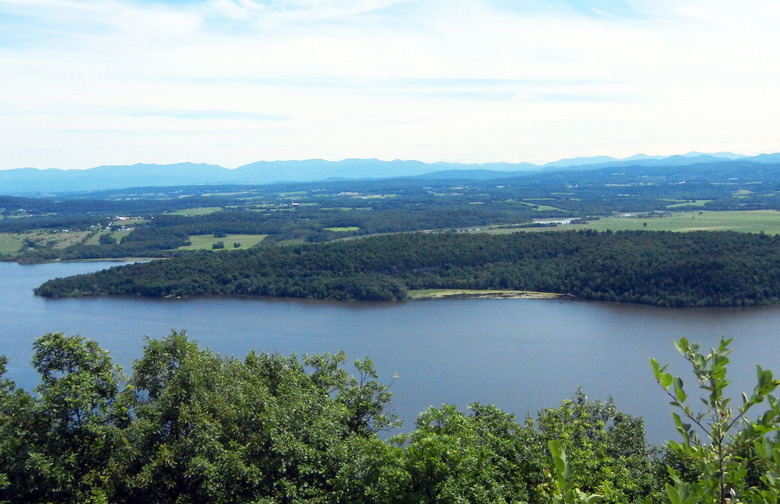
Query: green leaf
{"points": [[674, 496], [678, 390], [555, 448], [760, 447], [656, 367]]}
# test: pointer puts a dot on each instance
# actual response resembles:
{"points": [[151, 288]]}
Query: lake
{"points": [[520, 354]]}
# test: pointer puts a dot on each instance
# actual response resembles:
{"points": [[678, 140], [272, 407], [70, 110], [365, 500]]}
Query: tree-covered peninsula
{"points": [[657, 268]]}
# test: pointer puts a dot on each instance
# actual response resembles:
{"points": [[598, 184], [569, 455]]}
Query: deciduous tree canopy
{"points": [[192, 426], [658, 268]]}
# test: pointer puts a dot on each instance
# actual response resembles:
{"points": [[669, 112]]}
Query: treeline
{"points": [[657, 268], [192, 426], [78, 205], [311, 223]]}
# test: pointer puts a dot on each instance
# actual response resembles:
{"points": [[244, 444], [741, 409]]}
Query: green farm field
{"points": [[205, 242], [753, 221], [9, 243], [748, 221], [197, 211], [342, 229]]}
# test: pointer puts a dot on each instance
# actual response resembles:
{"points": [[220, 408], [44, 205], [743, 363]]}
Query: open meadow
{"points": [[744, 221], [748, 221], [207, 242]]}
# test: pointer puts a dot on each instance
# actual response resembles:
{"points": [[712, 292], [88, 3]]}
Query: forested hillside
{"points": [[658, 268]]}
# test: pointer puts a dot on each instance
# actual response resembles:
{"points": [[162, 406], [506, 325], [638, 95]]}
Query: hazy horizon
{"points": [[584, 160], [230, 82]]}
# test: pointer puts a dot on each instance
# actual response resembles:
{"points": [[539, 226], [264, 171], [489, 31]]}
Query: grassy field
{"points": [[9, 243], [688, 204], [756, 221], [197, 211], [347, 209], [94, 239], [117, 235], [342, 229], [201, 242], [753, 221], [541, 207]]}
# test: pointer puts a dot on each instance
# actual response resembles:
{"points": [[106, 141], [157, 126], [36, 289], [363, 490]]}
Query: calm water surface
{"points": [[522, 355]]}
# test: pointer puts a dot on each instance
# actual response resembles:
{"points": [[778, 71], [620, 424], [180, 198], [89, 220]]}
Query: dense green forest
{"points": [[659, 268], [188, 425]]}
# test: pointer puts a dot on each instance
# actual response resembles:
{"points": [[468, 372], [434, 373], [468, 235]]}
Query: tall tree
{"points": [[76, 432], [606, 448], [482, 457], [16, 425]]}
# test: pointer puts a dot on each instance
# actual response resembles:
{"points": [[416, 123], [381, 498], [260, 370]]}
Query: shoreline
{"points": [[429, 294]]}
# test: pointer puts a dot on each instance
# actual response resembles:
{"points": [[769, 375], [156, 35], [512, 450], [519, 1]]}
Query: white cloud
{"points": [[235, 81]]}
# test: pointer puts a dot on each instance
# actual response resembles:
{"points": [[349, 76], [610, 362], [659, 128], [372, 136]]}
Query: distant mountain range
{"points": [[33, 181]]}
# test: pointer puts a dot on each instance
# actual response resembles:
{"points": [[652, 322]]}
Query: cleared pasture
{"points": [[748, 221], [206, 242], [95, 239], [342, 229], [541, 207], [9, 244], [753, 221], [687, 204], [197, 211]]}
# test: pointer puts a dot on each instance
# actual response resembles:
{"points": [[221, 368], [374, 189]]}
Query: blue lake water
{"points": [[522, 355]]}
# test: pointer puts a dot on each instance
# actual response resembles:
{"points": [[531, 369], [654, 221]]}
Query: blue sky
{"points": [[230, 82]]}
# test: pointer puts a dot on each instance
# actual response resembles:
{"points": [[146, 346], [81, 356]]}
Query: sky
{"points": [[85, 83]]}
